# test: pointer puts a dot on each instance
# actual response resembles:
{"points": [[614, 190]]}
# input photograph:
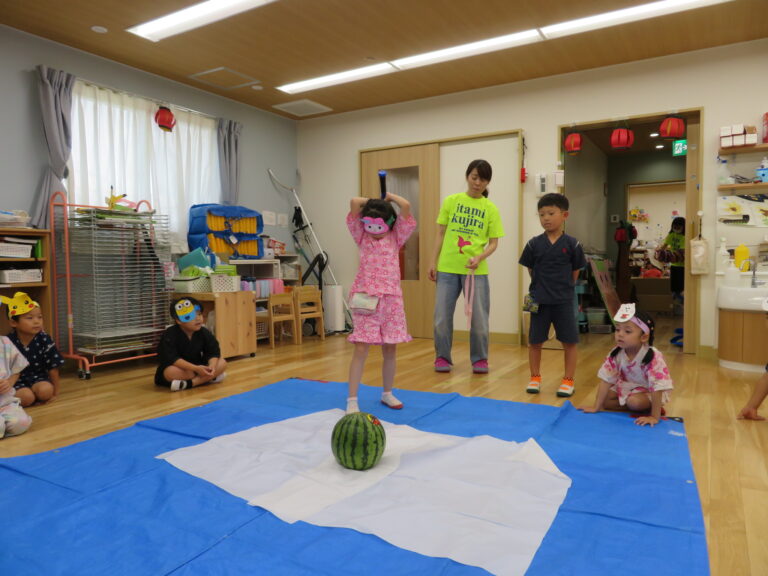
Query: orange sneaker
{"points": [[534, 385], [566, 388]]}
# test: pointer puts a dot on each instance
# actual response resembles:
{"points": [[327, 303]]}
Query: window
{"points": [[116, 144]]}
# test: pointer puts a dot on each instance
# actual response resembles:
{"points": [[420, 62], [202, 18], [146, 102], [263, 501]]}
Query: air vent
{"points": [[302, 108], [224, 78]]}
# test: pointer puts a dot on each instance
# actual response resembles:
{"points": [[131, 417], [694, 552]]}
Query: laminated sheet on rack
{"points": [[109, 505]]}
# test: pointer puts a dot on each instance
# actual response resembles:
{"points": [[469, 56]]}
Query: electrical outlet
{"points": [[615, 218]]}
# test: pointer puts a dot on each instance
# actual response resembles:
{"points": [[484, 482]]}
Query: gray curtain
{"points": [[55, 89], [229, 160]]}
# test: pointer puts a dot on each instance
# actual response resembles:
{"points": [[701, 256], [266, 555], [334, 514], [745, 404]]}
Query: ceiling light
{"points": [[193, 17], [99, 29], [654, 134], [617, 17], [466, 50], [659, 146], [338, 78]]}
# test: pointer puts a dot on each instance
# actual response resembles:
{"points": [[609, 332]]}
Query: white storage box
{"points": [[21, 276], [224, 283], [9, 250], [199, 284]]}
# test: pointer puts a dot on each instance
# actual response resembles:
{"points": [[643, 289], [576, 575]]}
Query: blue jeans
{"points": [[449, 287]]}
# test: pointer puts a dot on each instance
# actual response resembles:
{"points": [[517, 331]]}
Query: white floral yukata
{"points": [[629, 377]]}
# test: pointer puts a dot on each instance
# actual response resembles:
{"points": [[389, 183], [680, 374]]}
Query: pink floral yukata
{"points": [[379, 275], [633, 377]]}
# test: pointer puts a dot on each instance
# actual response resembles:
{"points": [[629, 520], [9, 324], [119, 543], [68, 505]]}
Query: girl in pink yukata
{"points": [[634, 376], [13, 419], [375, 298]]}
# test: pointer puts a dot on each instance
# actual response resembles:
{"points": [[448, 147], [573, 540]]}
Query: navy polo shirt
{"points": [[552, 267], [43, 356]]}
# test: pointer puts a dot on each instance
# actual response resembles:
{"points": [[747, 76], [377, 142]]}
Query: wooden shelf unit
{"points": [[38, 291], [742, 188], [756, 148]]}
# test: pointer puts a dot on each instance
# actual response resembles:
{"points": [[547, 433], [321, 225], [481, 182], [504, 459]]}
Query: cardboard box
{"points": [[737, 129], [726, 141], [739, 139], [751, 139], [725, 131]]}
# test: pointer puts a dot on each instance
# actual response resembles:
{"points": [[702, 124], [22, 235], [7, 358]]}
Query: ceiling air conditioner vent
{"points": [[302, 108]]}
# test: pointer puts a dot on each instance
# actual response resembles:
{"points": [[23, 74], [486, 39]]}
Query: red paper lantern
{"points": [[622, 139], [672, 128], [164, 119], [573, 143]]}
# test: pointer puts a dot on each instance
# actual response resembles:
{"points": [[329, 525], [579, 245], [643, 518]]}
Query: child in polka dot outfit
{"points": [[38, 382]]}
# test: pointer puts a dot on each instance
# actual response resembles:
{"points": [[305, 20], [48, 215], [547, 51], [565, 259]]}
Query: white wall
{"points": [[267, 140], [727, 83]]}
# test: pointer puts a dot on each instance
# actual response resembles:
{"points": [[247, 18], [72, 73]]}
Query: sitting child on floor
{"points": [[634, 376], [13, 419], [39, 381], [188, 352]]}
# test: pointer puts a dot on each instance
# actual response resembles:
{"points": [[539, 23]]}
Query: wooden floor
{"points": [[729, 456]]}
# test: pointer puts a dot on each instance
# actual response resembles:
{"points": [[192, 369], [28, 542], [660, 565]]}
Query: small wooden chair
{"points": [[308, 303], [281, 309]]}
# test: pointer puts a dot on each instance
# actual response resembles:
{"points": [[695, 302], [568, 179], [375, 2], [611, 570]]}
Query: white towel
{"points": [[480, 501]]}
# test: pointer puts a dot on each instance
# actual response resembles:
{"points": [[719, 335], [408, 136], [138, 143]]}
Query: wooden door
{"points": [[412, 172]]}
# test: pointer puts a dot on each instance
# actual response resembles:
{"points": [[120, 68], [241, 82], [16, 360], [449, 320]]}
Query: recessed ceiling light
{"points": [[257, 87], [338, 78], [193, 17], [617, 17], [604, 20], [99, 29], [658, 146], [471, 49], [654, 134]]}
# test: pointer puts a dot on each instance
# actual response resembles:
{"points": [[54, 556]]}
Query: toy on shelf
{"points": [[119, 201]]}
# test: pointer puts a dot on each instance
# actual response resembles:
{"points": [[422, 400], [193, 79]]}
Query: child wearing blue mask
{"points": [[188, 352]]}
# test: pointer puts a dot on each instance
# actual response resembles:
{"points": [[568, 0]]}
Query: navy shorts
{"points": [[562, 316]]}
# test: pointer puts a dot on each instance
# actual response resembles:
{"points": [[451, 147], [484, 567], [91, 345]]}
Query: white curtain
{"points": [[116, 143]]}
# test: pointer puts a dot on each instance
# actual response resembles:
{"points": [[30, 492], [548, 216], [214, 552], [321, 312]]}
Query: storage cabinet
{"points": [[234, 319], [741, 337], [38, 259]]}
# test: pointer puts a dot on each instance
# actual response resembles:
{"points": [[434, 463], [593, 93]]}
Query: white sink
{"points": [[742, 297]]}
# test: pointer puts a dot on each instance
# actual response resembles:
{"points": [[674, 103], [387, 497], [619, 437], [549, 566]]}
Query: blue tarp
{"points": [[108, 506]]}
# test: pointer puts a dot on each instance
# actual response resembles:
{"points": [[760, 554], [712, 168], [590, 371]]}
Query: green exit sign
{"points": [[679, 147]]}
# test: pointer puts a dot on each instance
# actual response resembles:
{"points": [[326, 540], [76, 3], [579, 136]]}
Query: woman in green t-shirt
{"points": [[468, 232]]}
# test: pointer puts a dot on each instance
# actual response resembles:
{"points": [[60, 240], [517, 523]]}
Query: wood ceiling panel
{"points": [[291, 40]]}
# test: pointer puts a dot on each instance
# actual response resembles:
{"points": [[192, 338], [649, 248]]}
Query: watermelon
{"points": [[358, 441]]}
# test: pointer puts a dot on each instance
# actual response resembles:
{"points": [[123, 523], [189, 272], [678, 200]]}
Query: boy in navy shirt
{"points": [[39, 381], [553, 260]]}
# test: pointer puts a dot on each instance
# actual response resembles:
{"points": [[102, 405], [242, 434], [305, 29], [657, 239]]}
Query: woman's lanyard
{"points": [[469, 297]]}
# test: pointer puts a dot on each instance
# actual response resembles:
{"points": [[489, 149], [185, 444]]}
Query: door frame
{"points": [[693, 116]]}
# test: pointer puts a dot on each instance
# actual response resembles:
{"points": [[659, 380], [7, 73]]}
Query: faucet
{"points": [[753, 263]]}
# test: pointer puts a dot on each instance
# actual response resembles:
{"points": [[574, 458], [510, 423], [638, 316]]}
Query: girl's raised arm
{"points": [[356, 204], [403, 204]]}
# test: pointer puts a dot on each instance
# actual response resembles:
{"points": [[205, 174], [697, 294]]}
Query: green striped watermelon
{"points": [[358, 441]]}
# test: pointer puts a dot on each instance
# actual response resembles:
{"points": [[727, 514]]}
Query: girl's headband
{"points": [[627, 313]]}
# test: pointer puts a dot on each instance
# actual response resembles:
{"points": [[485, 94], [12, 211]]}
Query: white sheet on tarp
{"points": [[480, 501]]}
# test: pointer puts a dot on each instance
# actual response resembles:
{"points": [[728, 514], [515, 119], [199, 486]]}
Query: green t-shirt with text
{"points": [[470, 223]]}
